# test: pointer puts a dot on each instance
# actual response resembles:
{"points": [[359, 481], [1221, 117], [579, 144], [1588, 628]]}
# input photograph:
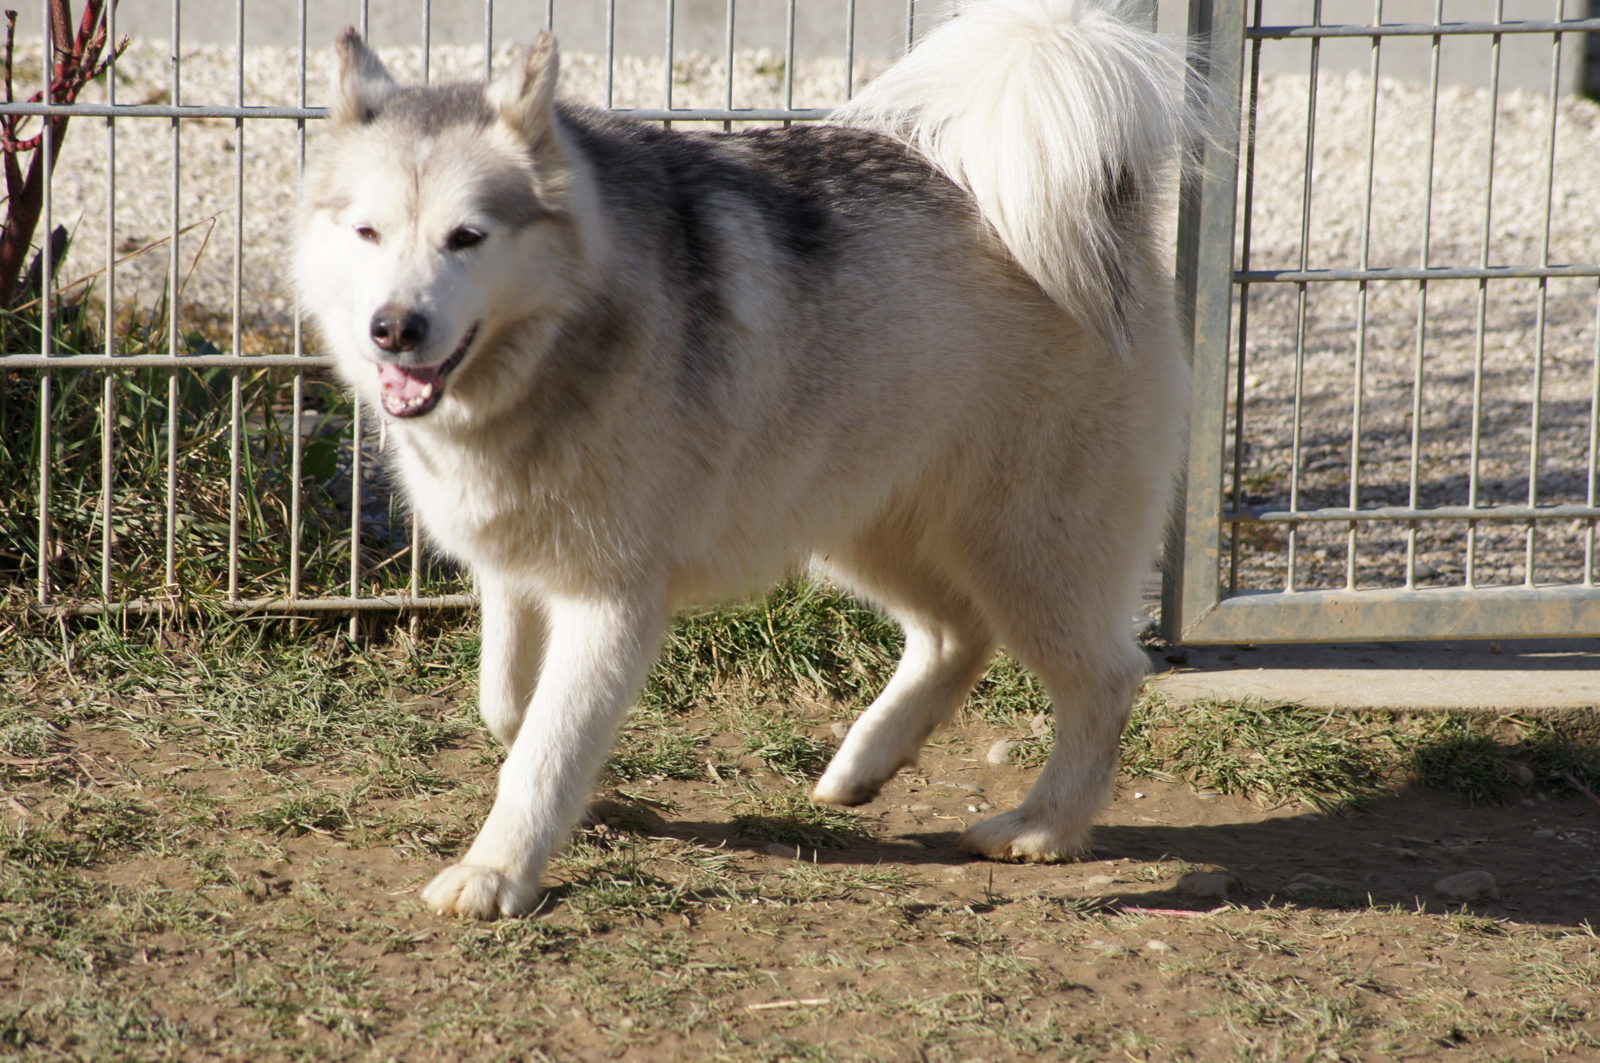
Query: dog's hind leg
{"points": [[946, 650], [1062, 616], [513, 650], [1093, 693]]}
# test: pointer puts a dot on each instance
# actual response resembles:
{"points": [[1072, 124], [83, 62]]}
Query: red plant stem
{"points": [[77, 63]]}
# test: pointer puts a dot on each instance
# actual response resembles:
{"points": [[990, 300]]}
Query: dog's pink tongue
{"points": [[407, 392]]}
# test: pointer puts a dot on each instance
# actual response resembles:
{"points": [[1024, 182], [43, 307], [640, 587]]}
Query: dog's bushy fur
{"points": [[930, 350]]}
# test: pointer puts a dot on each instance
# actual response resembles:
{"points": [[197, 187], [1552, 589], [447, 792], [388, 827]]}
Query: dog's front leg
{"points": [[596, 656], [513, 650]]}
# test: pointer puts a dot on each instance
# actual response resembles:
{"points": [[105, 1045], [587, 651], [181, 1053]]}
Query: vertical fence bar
{"points": [[1593, 471], [849, 49], [46, 381], [108, 394], [1419, 356], [355, 410], [170, 570], [611, 54], [1302, 295], [1246, 231], [669, 50], [911, 23], [727, 58], [1359, 384], [1483, 299], [297, 387], [47, 149], [427, 38], [355, 511], [488, 39], [788, 61], [236, 381], [1540, 320]]}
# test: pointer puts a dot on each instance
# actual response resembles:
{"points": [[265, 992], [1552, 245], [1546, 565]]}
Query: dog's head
{"points": [[434, 219]]}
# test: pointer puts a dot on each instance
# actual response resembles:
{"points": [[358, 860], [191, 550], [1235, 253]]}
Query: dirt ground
{"points": [[207, 922]]}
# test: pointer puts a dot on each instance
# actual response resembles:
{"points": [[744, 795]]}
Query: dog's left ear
{"points": [[364, 82], [526, 98]]}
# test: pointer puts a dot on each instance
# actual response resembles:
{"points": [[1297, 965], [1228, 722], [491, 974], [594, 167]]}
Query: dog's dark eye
{"points": [[368, 233], [461, 239]]}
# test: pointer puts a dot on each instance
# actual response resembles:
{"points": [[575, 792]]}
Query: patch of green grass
{"points": [[30, 847], [789, 817], [1009, 693], [1276, 753], [777, 737], [294, 814], [113, 823], [805, 636], [653, 745], [25, 735], [1493, 760], [612, 880]]}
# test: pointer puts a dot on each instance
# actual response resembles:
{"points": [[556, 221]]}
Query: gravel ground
{"points": [[209, 168], [1502, 330]]}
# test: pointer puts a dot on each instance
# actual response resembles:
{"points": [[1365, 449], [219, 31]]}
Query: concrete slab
{"points": [[1534, 676]]}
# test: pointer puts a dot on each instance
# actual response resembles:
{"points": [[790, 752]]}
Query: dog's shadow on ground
{"points": [[1534, 861]]}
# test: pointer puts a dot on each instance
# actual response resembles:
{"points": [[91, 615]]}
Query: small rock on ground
{"points": [[1215, 885], [1468, 886], [1000, 752]]}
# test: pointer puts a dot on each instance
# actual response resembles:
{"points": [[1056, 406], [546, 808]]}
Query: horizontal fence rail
{"points": [[193, 112], [1422, 29]]}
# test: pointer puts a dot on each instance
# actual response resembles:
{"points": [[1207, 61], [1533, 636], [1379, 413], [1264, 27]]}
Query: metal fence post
{"points": [[1205, 253]]}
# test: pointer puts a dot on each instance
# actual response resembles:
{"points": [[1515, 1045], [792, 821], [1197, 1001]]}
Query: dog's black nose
{"points": [[394, 328]]}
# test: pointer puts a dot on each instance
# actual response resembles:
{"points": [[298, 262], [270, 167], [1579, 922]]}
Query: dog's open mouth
{"points": [[411, 391]]}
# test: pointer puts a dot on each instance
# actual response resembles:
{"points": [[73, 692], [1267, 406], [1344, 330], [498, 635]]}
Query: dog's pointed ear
{"points": [[525, 99], [364, 82]]}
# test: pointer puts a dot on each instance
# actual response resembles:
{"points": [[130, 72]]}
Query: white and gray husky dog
{"points": [[929, 348]]}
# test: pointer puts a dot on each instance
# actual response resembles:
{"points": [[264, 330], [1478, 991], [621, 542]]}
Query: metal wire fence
{"points": [[175, 439], [1394, 279]]}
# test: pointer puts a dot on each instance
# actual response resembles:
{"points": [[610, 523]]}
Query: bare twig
{"points": [[1582, 789], [809, 1002], [210, 221]]}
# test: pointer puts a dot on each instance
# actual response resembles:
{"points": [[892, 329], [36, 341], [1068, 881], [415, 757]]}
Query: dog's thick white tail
{"points": [[1062, 119]]}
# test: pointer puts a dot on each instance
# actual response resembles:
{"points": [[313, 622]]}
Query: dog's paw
{"points": [[1018, 835], [856, 779], [478, 892], [842, 790]]}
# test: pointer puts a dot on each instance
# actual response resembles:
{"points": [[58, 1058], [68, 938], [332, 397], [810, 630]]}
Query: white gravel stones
{"points": [[1509, 343], [208, 158]]}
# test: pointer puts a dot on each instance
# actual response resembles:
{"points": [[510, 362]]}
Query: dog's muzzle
{"points": [[411, 391]]}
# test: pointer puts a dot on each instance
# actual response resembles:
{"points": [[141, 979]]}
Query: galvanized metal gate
{"points": [[1396, 354]]}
